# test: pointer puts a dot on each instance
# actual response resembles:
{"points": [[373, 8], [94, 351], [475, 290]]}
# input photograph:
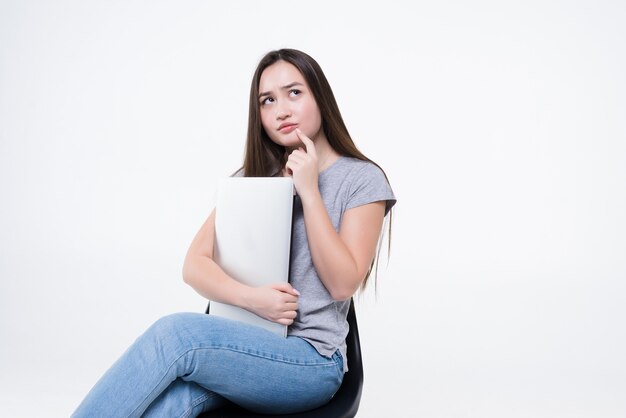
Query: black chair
{"points": [[344, 404]]}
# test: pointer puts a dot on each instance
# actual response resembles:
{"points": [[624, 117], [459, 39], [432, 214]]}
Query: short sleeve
{"points": [[370, 185]]}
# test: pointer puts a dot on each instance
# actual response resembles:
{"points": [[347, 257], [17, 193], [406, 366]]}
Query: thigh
{"points": [[253, 367], [183, 399]]}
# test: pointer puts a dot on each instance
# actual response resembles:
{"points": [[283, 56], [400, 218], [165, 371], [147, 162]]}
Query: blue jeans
{"points": [[188, 363]]}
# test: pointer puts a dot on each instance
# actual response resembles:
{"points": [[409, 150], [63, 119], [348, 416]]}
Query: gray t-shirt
{"points": [[346, 184]]}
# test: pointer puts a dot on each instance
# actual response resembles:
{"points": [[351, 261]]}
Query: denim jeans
{"points": [[188, 363]]}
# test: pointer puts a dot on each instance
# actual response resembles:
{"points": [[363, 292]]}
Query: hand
{"points": [[302, 167], [276, 302]]}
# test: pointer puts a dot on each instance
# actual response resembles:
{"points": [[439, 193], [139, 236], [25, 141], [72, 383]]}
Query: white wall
{"points": [[500, 125]]}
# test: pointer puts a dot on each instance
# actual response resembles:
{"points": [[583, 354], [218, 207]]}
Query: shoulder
{"points": [[363, 182], [362, 172], [353, 168]]}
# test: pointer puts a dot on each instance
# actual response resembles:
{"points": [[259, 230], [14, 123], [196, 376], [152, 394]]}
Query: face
{"points": [[287, 103]]}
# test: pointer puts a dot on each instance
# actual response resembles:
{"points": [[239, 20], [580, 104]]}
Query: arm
{"points": [[341, 259], [277, 302]]}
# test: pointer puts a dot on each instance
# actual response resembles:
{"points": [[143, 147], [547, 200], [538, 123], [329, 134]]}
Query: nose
{"points": [[282, 110]]}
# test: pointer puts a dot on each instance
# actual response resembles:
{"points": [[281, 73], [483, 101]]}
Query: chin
{"points": [[290, 141]]}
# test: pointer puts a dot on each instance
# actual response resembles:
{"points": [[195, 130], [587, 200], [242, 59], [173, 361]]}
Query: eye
{"points": [[294, 92], [267, 100]]}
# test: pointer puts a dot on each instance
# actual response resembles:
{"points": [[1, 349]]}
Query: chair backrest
{"points": [[344, 404]]}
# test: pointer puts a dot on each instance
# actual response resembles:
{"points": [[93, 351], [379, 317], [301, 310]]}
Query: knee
{"points": [[167, 328]]}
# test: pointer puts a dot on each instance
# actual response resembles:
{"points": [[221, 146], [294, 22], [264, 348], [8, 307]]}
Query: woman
{"points": [[188, 363]]}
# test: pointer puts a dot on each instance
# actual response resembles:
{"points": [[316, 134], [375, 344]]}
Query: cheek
{"points": [[313, 116], [265, 123]]}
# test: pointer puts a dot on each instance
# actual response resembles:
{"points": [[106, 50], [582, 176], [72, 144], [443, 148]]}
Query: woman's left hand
{"points": [[302, 167]]}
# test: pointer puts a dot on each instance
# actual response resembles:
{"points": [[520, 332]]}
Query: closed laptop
{"points": [[253, 218]]}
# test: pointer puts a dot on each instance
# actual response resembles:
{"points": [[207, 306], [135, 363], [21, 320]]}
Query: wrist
{"points": [[311, 197], [245, 297]]}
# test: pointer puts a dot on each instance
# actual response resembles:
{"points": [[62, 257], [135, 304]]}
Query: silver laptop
{"points": [[253, 237]]}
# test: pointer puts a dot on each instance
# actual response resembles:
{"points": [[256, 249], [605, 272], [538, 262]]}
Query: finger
{"points": [[308, 143], [293, 291], [286, 314], [291, 166], [298, 154], [291, 306], [299, 150], [286, 288], [288, 298], [296, 158]]}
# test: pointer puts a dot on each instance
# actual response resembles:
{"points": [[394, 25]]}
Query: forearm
{"points": [[209, 280], [276, 302], [335, 265]]}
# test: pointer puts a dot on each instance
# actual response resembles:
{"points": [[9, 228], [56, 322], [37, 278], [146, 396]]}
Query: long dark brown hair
{"points": [[264, 158]]}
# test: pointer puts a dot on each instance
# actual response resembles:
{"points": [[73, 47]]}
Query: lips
{"points": [[287, 127]]}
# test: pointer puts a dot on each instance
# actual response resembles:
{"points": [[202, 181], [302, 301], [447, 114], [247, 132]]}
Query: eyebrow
{"points": [[288, 86]]}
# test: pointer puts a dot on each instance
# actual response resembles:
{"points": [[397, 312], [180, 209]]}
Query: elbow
{"points": [[345, 289], [341, 296], [187, 274], [341, 293]]}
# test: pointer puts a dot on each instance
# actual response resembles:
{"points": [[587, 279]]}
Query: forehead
{"points": [[279, 74]]}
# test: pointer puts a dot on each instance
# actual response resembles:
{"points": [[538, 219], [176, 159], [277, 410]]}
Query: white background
{"points": [[501, 126]]}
